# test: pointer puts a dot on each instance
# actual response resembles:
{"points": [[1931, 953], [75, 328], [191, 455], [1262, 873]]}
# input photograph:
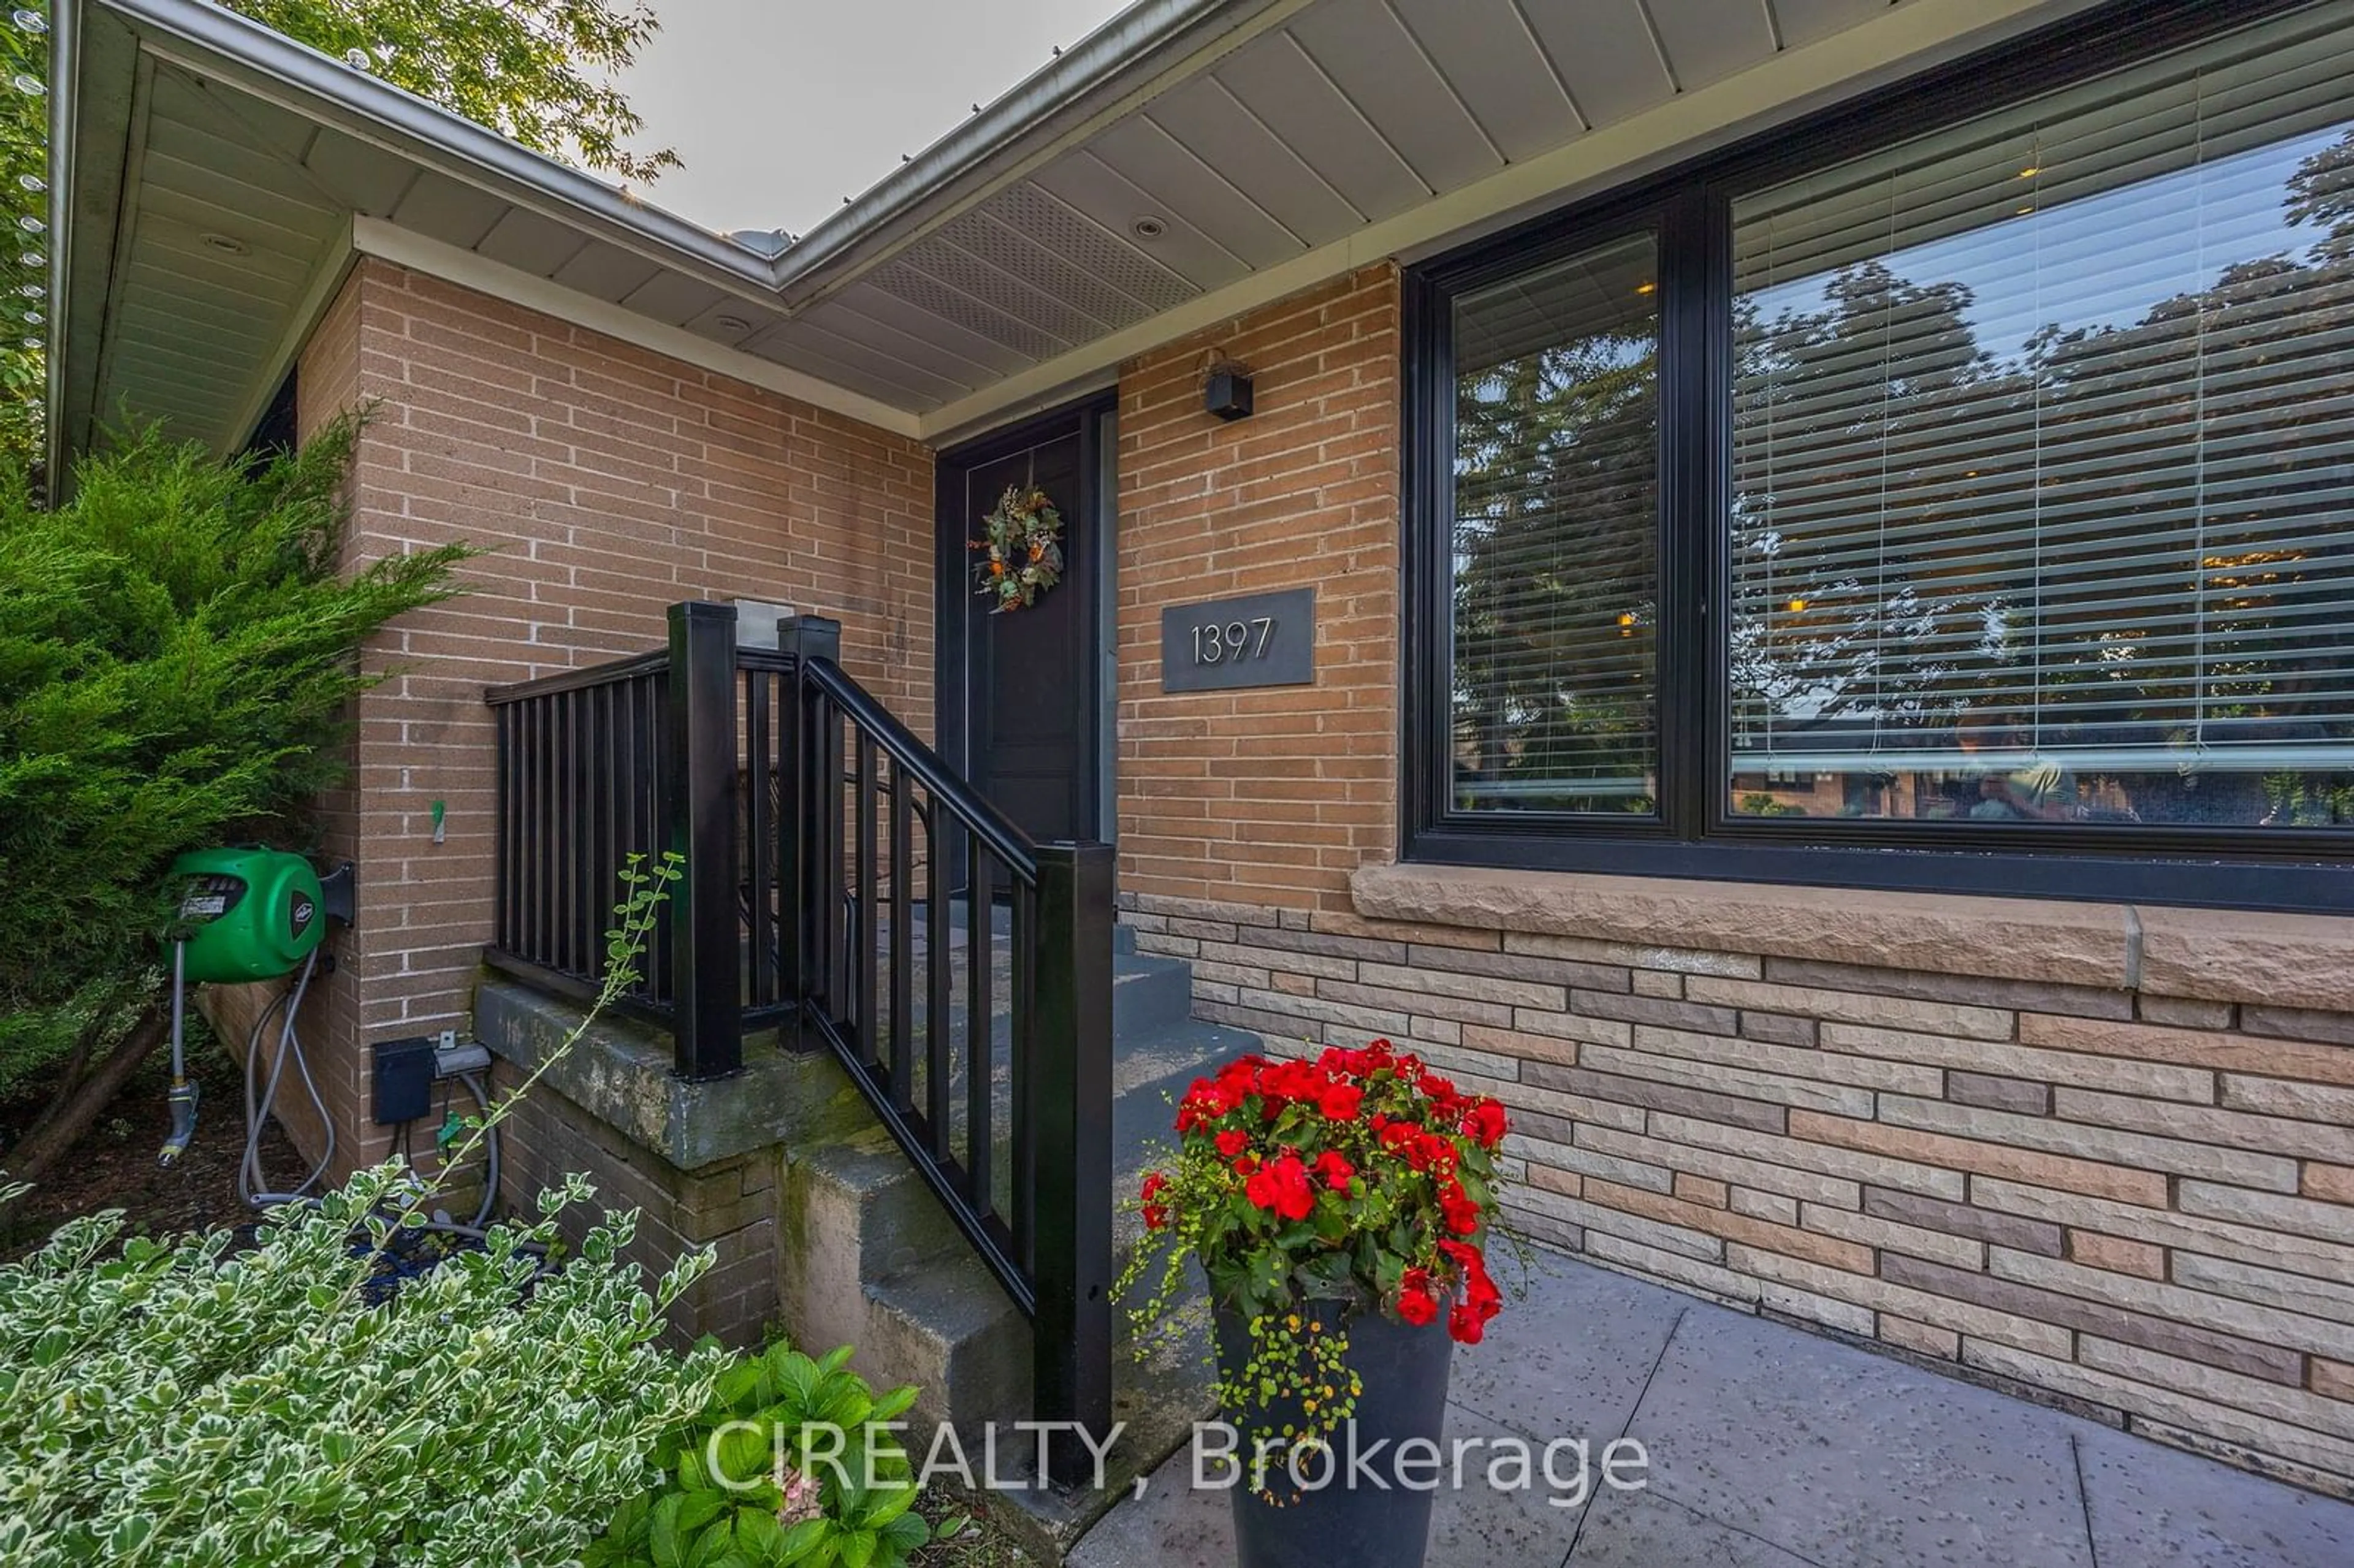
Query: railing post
{"points": [[811, 759], [706, 945], [1069, 1101]]}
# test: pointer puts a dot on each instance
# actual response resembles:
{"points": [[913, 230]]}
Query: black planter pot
{"points": [[1349, 1519]]}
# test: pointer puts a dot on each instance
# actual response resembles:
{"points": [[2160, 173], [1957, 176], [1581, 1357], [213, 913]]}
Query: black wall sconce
{"points": [[1226, 391]]}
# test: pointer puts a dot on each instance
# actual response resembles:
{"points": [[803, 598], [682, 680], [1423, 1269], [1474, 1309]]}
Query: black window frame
{"points": [[1696, 834]]}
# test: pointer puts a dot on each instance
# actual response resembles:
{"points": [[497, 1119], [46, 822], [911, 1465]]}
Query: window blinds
{"points": [[2043, 456], [1555, 538]]}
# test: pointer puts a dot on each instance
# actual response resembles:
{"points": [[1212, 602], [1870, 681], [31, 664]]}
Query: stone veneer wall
{"points": [[2104, 1154]]}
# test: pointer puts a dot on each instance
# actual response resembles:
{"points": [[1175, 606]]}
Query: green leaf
{"points": [[736, 1384], [883, 1506], [699, 1508], [745, 1453], [714, 1547], [896, 1404], [664, 1540], [807, 1539], [692, 1473], [760, 1535], [905, 1534], [1327, 1276]]}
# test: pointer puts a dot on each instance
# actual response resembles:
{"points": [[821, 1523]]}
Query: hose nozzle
{"points": [[183, 1101]]}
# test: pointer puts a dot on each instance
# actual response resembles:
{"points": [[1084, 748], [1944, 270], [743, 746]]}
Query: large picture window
{"points": [[2009, 465]]}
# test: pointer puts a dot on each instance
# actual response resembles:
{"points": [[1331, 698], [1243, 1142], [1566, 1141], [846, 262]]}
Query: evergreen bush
{"points": [[178, 646]]}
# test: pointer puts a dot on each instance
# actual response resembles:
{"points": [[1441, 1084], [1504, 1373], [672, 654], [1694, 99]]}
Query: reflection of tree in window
{"points": [[1556, 517], [2131, 540]]}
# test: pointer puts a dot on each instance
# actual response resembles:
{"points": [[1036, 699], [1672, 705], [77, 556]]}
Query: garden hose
{"points": [[251, 1186], [183, 1098], [473, 1228]]}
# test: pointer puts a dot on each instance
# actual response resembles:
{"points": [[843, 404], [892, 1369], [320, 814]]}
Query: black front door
{"points": [[1021, 692]]}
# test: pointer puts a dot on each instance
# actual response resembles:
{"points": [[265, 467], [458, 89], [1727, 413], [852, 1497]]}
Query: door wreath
{"points": [[1022, 546]]}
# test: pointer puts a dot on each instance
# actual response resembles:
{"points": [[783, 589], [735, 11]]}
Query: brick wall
{"points": [[2139, 1200], [2103, 1155], [608, 483], [729, 1206], [1269, 797]]}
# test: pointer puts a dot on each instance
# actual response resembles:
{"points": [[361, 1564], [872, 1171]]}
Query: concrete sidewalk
{"points": [[1772, 1448]]}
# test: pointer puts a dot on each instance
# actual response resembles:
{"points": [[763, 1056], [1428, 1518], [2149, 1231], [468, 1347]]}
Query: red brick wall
{"points": [[1267, 796], [607, 483]]}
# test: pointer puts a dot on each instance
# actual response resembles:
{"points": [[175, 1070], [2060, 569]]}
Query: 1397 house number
{"points": [[1264, 639], [1215, 644]]}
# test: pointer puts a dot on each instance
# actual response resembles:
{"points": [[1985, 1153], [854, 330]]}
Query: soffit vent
{"points": [[1004, 292], [1041, 264], [926, 292], [1086, 246]]}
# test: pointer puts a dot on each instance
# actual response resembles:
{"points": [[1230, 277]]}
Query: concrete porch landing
{"points": [[1772, 1447]]}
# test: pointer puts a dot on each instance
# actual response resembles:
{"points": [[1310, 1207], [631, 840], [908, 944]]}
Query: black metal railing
{"points": [[581, 786], [840, 882]]}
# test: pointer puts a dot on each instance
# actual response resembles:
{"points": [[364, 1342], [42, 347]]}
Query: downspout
{"points": [[65, 28]]}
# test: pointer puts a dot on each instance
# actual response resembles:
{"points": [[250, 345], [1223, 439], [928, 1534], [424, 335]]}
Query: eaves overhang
{"points": [[1190, 160]]}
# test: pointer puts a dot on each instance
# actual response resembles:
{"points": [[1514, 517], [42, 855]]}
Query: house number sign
{"points": [[1264, 639]]}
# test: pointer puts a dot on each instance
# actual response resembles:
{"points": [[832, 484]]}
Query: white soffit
{"points": [[1319, 138], [1364, 130], [219, 243], [1342, 133]]}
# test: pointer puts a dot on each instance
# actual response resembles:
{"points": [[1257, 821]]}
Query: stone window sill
{"points": [[2282, 961]]}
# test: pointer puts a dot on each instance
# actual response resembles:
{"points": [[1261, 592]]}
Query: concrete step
{"points": [[889, 1274], [948, 1327], [1152, 1074], [854, 1211], [1158, 1394], [1148, 994]]}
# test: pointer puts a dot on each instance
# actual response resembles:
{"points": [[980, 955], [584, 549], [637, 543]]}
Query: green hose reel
{"points": [[246, 914], [251, 914]]}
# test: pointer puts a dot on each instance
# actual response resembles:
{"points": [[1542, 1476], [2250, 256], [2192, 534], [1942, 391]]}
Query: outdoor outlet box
{"points": [[254, 914], [404, 1080]]}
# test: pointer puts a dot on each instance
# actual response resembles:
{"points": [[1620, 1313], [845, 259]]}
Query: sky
{"points": [[781, 108]]}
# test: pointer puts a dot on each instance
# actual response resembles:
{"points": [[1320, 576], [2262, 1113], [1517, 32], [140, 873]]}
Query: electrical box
{"points": [[253, 914], [404, 1080]]}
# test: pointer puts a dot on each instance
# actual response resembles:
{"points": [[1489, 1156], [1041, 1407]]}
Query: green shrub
{"points": [[177, 647], [179, 653], [806, 1474], [186, 1403]]}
